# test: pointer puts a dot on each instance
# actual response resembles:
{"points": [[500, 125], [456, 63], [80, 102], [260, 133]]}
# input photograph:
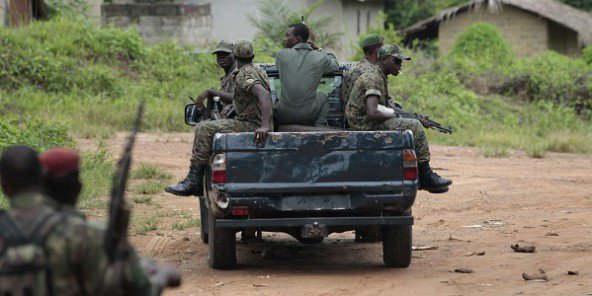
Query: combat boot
{"points": [[191, 185], [430, 181]]}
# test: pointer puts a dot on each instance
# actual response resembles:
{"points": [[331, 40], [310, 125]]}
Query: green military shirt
{"points": [[227, 81], [246, 104], [370, 83], [301, 69], [77, 257], [350, 77]]}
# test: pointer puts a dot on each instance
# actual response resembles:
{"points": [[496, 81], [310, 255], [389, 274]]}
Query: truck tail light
{"points": [[219, 168], [240, 211], [409, 165]]}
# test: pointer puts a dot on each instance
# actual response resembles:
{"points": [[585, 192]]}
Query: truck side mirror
{"points": [[193, 114]]}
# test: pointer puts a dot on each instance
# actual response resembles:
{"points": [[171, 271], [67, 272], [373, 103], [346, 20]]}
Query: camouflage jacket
{"points": [[246, 104], [350, 77], [370, 83], [76, 254], [227, 81]]}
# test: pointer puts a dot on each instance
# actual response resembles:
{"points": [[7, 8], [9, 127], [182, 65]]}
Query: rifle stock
{"points": [[119, 211]]}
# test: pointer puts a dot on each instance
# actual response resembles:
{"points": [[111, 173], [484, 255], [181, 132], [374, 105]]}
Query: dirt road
{"points": [[494, 203]]}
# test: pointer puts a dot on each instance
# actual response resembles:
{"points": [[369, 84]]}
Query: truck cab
{"points": [[310, 182]]}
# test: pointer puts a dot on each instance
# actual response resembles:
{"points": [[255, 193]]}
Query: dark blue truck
{"points": [[309, 182]]}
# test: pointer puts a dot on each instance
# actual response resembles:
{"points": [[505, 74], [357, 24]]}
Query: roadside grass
{"points": [[150, 171], [143, 225], [494, 152], [142, 199], [187, 224], [148, 187]]}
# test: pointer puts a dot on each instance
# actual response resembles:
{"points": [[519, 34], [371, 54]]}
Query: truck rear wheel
{"points": [[221, 246], [396, 245], [203, 217]]}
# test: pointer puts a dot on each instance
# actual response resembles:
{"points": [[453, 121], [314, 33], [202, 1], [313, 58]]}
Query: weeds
{"points": [[149, 171], [190, 223], [142, 199], [148, 187], [143, 226], [494, 152]]}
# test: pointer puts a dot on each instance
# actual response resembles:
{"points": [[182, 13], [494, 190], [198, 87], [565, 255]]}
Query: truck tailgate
{"points": [[320, 162]]}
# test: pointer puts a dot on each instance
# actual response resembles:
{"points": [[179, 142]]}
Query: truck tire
{"points": [[221, 246], [203, 217], [396, 245]]}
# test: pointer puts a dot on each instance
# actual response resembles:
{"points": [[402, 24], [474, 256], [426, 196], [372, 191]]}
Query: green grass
{"points": [[495, 152], [190, 223], [149, 171], [148, 187], [142, 199], [142, 226]]}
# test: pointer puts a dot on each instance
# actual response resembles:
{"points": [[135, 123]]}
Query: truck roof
{"points": [[272, 70]]}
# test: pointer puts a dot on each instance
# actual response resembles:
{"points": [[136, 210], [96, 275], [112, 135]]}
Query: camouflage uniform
{"points": [[350, 77], [76, 252], [374, 82], [246, 105]]}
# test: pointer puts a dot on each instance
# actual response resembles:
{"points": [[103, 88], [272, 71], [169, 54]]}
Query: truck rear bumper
{"points": [[301, 222], [401, 201]]}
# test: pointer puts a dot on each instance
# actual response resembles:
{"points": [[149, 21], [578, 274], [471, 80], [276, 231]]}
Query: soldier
{"points": [[48, 252], [301, 67], [252, 103], [226, 61], [366, 111], [370, 44]]}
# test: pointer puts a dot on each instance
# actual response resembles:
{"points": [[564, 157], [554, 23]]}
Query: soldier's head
{"points": [[20, 171], [61, 170], [223, 53], [390, 59], [296, 33], [243, 53], [371, 44]]}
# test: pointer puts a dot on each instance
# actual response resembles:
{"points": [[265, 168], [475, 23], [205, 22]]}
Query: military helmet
{"points": [[243, 49], [392, 50], [371, 40]]}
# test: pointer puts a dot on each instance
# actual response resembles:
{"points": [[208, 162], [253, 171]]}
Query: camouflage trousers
{"points": [[204, 135], [422, 150]]}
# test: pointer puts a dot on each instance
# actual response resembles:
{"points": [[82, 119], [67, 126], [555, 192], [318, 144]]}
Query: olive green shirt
{"points": [[371, 83], [301, 69]]}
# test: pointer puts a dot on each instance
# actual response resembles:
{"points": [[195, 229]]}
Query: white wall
{"points": [[228, 15]]}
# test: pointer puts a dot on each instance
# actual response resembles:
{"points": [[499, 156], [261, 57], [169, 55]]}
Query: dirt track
{"points": [[544, 202]]}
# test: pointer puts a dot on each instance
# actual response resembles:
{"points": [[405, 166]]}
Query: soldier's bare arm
{"points": [[375, 113], [264, 98]]}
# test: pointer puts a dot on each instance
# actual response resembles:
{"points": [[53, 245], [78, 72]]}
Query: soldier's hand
{"points": [[260, 134], [424, 121], [204, 95], [226, 110]]}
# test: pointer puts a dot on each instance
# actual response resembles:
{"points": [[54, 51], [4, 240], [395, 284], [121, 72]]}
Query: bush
{"points": [[388, 32], [587, 55], [481, 48], [557, 78]]}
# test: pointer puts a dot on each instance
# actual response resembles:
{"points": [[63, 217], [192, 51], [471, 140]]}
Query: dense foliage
{"points": [[69, 71]]}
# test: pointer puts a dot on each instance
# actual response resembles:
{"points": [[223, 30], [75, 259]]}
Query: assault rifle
{"points": [[425, 121], [116, 243]]}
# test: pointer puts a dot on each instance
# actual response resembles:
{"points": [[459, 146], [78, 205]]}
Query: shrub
{"points": [[554, 77], [388, 32], [481, 48], [587, 55]]}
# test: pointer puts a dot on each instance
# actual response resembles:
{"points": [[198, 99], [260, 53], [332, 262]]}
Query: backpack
{"points": [[24, 259]]}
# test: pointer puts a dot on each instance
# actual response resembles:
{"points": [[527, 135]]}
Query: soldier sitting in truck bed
{"points": [[363, 113], [301, 66]]}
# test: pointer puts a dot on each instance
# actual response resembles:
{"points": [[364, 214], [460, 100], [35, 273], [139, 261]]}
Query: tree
{"points": [[276, 16]]}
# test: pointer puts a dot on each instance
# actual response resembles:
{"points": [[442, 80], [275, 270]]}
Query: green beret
{"points": [[371, 40]]}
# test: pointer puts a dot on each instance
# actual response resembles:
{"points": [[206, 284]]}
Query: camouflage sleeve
{"points": [[99, 276], [373, 85], [246, 79]]}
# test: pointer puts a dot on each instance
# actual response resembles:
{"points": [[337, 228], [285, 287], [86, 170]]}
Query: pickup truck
{"points": [[309, 182]]}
